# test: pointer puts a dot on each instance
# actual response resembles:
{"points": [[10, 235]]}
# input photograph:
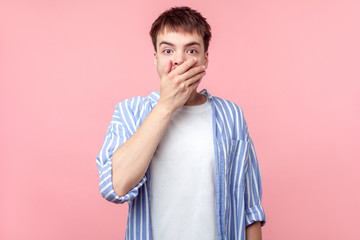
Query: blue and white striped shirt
{"points": [[238, 179]]}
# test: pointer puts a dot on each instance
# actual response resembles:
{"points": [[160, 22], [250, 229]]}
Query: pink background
{"points": [[293, 66]]}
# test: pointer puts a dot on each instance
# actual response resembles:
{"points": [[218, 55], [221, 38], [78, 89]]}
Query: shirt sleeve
{"points": [[121, 128], [253, 189]]}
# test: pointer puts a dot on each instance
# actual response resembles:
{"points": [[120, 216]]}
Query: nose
{"points": [[179, 58]]}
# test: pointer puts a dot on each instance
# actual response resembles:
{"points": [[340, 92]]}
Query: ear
{"points": [[206, 58], [155, 59]]}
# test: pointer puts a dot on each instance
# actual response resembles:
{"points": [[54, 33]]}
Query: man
{"points": [[182, 159]]}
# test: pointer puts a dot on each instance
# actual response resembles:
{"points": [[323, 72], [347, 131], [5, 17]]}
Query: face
{"points": [[178, 47]]}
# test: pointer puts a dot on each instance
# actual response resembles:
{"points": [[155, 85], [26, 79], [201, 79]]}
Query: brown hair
{"points": [[179, 19]]}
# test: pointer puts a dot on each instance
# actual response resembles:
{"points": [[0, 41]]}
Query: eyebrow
{"points": [[186, 45]]}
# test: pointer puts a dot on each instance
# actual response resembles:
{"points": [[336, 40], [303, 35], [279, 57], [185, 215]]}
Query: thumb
{"points": [[167, 67]]}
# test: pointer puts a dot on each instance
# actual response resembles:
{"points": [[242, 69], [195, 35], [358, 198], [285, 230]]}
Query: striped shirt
{"points": [[238, 179]]}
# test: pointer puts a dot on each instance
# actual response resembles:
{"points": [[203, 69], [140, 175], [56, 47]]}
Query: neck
{"points": [[195, 99]]}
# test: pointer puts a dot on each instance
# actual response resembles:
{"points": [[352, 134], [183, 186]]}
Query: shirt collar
{"points": [[204, 91]]}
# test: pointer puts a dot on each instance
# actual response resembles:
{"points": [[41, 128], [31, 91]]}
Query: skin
{"points": [[180, 74], [181, 62], [174, 49], [253, 231]]}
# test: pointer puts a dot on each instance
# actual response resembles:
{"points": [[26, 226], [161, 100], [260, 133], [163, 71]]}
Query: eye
{"points": [[167, 51], [192, 51]]}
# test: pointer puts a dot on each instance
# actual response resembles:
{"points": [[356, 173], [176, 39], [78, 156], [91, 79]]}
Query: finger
{"points": [[185, 66], [194, 85], [192, 72], [167, 67], [195, 78]]}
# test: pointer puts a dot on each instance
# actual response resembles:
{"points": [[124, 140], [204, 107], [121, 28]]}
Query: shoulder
{"points": [[232, 115], [228, 108], [224, 106], [139, 101], [137, 105]]}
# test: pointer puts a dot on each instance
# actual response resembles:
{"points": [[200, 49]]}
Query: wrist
{"points": [[164, 109]]}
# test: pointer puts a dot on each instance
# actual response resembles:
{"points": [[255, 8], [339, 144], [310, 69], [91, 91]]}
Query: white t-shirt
{"points": [[182, 184]]}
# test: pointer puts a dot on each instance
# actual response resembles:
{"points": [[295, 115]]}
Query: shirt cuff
{"points": [[255, 214]]}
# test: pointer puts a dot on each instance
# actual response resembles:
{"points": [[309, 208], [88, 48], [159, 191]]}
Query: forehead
{"points": [[178, 37]]}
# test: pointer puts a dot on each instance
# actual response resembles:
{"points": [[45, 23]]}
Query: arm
{"points": [[253, 231], [255, 214], [131, 160]]}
